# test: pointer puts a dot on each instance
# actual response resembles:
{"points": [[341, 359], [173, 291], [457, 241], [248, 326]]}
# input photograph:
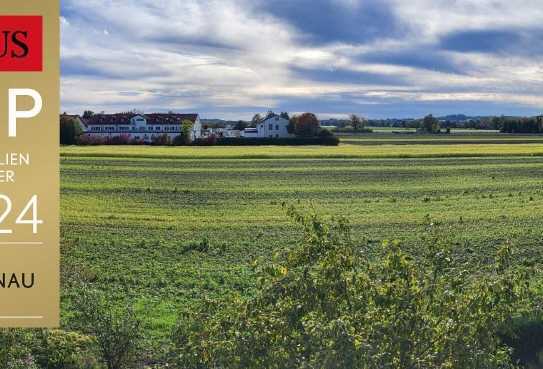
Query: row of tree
{"points": [[355, 123], [519, 125], [432, 124]]}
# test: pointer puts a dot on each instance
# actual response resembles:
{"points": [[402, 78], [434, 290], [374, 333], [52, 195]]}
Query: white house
{"points": [[272, 127], [144, 127]]}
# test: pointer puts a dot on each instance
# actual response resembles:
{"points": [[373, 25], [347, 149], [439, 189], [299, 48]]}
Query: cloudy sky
{"points": [[233, 58]]}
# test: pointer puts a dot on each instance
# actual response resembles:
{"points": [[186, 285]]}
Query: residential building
{"points": [[143, 127], [273, 126]]}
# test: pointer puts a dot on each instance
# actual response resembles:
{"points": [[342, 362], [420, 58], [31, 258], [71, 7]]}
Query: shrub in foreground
{"points": [[58, 349], [117, 330], [525, 336], [15, 352], [328, 303], [46, 349]]}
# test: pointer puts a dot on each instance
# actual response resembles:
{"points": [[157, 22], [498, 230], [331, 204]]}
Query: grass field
{"points": [[169, 227], [458, 137], [478, 132]]}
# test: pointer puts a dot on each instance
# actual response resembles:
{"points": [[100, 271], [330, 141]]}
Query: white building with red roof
{"points": [[141, 127]]}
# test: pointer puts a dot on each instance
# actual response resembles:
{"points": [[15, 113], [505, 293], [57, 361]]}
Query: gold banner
{"points": [[29, 163]]}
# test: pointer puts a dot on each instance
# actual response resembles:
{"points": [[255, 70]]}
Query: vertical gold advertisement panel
{"points": [[29, 180]]}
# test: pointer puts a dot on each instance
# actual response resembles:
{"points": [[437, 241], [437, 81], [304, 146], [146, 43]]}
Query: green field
{"points": [[170, 227], [478, 132], [407, 137]]}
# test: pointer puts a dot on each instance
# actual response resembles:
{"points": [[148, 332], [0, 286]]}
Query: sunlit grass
{"points": [[132, 215]]}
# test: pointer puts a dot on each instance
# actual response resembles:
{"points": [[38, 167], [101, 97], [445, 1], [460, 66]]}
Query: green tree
{"points": [[185, 138], [87, 114], [356, 122], [291, 128], [430, 124], [330, 303], [70, 130]]}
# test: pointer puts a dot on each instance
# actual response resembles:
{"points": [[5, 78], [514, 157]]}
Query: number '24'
{"points": [[31, 206]]}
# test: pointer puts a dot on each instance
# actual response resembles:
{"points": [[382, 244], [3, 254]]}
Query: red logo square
{"points": [[21, 43]]}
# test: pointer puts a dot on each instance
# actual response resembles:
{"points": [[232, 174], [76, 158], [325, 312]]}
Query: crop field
{"points": [[462, 137], [478, 132], [168, 228]]}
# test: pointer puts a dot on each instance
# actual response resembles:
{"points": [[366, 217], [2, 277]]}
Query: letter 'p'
{"points": [[14, 114]]}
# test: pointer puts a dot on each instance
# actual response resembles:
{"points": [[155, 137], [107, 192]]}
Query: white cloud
{"points": [[228, 54]]}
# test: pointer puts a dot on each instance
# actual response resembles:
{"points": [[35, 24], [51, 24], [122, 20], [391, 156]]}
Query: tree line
{"points": [[519, 125]]}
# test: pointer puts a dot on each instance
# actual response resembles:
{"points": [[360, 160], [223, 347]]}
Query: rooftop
{"points": [[152, 118]]}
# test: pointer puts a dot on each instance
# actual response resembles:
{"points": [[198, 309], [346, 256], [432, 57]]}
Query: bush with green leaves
{"points": [[115, 327], [329, 303], [70, 130], [46, 349], [15, 350], [26, 362], [58, 349]]}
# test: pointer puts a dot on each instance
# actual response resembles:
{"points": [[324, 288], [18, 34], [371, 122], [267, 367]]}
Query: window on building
{"points": [[277, 127], [270, 127]]}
